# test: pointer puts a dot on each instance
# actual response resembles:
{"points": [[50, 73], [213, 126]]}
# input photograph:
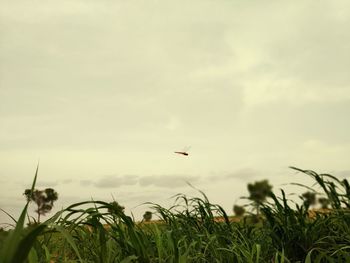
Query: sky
{"points": [[101, 94]]}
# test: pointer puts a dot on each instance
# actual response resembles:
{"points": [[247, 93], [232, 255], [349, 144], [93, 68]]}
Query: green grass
{"points": [[95, 231]]}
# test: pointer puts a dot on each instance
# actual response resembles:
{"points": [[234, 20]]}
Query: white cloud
{"points": [[168, 181], [116, 181]]}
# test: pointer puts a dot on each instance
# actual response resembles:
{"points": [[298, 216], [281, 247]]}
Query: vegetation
{"points": [[44, 200], [147, 216], [238, 210], [309, 199], [259, 191], [192, 230], [324, 202]]}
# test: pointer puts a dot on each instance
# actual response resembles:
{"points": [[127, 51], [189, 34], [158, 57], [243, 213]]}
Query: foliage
{"points": [[309, 199], [192, 230], [115, 207], [259, 191], [324, 202], [147, 216], [238, 210], [20, 242], [44, 200]]}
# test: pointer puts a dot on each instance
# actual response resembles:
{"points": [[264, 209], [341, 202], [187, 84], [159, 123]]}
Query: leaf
{"points": [[129, 259], [69, 238], [11, 247]]}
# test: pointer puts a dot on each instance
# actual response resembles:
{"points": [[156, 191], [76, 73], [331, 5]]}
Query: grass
{"points": [[95, 231]]}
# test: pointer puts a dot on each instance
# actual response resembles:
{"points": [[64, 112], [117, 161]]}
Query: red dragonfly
{"points": [[184, 151]]}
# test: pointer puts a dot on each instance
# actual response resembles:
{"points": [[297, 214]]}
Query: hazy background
{"points": [[103, 92]]}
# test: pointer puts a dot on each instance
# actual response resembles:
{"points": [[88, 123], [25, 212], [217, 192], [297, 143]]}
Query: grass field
{"points": [[96, 231]]}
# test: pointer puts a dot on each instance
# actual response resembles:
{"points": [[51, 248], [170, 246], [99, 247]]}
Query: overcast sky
{"points": [[103, 92]]}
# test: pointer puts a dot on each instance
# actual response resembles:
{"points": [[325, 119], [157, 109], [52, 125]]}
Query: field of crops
{"points": [[96, 231]]}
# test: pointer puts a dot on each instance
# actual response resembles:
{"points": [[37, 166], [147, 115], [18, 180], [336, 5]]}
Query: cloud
{"points": [[244, 174], [86, 182], [300, 66], [66, 181], [43, 183], [46, 183], [113, 181], [161, 181], [167, 181]]}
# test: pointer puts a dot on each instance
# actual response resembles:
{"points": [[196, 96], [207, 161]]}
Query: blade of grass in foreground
{"points": [[70, 240], [13, 251], [11, 243], [14, 220]]}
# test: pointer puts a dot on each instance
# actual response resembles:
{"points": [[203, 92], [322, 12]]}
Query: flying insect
{"points": [[184, 151]]}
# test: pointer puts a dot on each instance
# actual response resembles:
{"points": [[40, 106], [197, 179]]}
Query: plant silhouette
{"points": [[147, 216], [259, 191], [44, 200]]}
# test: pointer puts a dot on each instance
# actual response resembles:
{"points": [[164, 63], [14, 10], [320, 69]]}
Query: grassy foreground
{"points": [[96, 231]]}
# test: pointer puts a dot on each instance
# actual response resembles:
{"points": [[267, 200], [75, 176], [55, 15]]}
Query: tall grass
{"points": [[189, 231], [325, 237]]}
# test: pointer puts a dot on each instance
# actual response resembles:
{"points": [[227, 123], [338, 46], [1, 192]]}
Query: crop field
{"points": [[193, 230]]}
